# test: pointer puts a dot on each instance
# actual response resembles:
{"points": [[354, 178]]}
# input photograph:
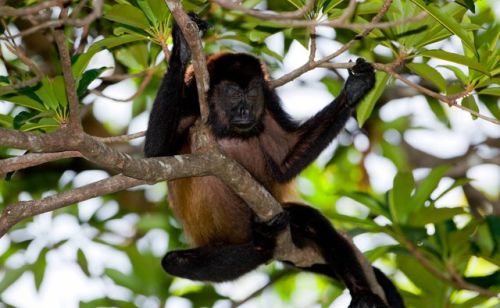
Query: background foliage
{"points": [[418, 232]]}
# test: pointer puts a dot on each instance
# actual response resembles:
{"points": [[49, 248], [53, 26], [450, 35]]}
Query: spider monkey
{"points": [[250, 126]]}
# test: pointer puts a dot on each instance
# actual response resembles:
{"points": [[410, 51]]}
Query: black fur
{"points": [[177, 100]]}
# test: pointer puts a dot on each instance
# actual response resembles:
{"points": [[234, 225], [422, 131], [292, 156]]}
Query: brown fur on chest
{"points": [[211, 212]]}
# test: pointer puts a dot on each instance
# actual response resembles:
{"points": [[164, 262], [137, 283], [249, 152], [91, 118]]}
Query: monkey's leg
{"points": [[215, 263], [225, 262], [308, 225]]}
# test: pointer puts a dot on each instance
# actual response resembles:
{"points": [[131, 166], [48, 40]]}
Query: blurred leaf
{"points": [[429, 73], [430, 215], [456, 58], [470, 103], [457, 71], [367, 200], [491, 91], [426, 187], [82, 261], [365, 108], [11, 276], [6, 121], [39, 268], [470, 5], [438, 110], [447, 21], [107, 302], [400, 194], [488, 281], [457, 183]]}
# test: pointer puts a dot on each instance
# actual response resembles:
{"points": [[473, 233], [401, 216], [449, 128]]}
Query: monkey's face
{"points": [[236, 110]]}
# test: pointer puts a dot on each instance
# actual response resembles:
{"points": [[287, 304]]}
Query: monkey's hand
{"points": [[361, 80], [264, 233], [180, 44]]}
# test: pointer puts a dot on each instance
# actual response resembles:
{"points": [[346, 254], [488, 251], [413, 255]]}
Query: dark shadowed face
{"points": [[236, 111]]}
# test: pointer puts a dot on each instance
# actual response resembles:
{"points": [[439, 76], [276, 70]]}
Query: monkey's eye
{"points": [[253, 93], [234, 93]]}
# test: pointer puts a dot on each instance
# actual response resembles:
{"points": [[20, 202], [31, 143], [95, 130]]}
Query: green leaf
{"points": [[44, 125], [128, 15], [4, 79], [39, 269], [470, 103], [458, 72], [11, 275], [82, 261], [491, 91], [159, 9], [47, 95], [456, 58], [107, 43], [147, 11], [448, 22], [21, 118], [6, 121], [457, 183], [87, 79], [426, 187], [400, 195], [121, 279], [59, 88], [429, 73], [470, 5], [367, 200], [430, 215], [438, 110], [365, 108], [25, 102]]}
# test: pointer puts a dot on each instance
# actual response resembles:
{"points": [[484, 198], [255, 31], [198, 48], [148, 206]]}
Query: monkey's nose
{"points": [[244, 113]]}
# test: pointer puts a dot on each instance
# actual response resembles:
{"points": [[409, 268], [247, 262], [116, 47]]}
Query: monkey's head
{"points": [[237, 96]]}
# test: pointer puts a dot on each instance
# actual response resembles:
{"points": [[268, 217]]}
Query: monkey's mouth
{"points": [[243, 124]]}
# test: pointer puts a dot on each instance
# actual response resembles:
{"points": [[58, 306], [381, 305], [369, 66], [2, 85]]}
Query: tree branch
{"points": [[33, 159], [14, 213], [69, 82]]}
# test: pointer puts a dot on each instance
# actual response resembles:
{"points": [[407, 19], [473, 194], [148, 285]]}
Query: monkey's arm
{"points": [[173, 104], [316, 133]]}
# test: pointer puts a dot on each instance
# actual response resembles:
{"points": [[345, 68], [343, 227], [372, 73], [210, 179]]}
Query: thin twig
{"points": [[25, 83], [342, 22], [455, 280], [147, 79], [75, 22], [235, 6], [69, 82], [451, 100], [309, 65], [34, 9], [119, 139]]}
